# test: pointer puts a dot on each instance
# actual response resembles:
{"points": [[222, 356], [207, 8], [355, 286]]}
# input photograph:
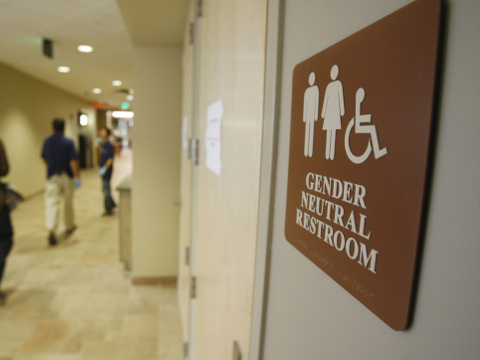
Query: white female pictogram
{"points": [[310, 113], [332, 111], [360, 121]]}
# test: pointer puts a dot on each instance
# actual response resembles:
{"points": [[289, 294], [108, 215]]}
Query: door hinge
{"points": [[191, 33], [185, 349], [193, 287], [237, 353], [194, 149], [199, 8], [189, 148], [187, 256]]}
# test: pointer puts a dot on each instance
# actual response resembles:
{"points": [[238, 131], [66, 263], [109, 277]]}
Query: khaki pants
{"points": [[58, 186]]}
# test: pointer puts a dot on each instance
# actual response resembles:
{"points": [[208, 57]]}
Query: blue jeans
{"points": [[6, 235], [5, 247], [109, 203]]}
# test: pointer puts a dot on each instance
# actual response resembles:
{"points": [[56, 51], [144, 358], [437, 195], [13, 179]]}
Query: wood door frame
{"points": [[271, 115], [197, 21]]}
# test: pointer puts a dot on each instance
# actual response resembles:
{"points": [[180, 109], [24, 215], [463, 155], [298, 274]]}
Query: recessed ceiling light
{"points": [[85, 48], [116, 83], [63, 69], [129, 97], [97, 91]]}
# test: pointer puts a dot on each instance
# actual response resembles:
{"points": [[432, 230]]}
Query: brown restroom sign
{"points": [[359, 150]]}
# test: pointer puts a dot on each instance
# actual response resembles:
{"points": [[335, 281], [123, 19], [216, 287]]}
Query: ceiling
{"points": [[111, 27]]}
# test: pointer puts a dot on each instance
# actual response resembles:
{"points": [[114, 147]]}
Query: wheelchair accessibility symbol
{"points": [[333, 110], [361, 125]]}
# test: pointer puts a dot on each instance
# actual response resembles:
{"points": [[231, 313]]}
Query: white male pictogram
{"points": [[310, 113]]}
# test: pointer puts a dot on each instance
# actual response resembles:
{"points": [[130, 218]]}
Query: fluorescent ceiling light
{"points": [[97, 91], [116, 83], [63, 69], [123, 114], [85, 48]]}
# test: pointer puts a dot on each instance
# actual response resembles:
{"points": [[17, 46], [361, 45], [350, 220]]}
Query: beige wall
{"points": [[156, 161], [27, 108], [309, 316]]}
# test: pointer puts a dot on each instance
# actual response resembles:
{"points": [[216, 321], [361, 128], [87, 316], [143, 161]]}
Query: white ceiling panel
{"points": [[99, 23]]}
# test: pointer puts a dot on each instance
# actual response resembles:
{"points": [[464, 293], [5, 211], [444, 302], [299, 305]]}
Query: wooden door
{"points": [[232, 58]]}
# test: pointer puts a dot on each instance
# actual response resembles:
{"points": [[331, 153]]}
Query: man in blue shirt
{"points": [[63, 176], [106, 163]]}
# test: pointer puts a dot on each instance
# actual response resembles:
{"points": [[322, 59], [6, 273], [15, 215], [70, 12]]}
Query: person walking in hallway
{"points": [[106, 169], [6, 230], [63, 176]]}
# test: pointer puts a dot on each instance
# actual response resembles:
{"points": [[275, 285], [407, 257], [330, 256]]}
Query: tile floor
{"points": [[75, 301]]}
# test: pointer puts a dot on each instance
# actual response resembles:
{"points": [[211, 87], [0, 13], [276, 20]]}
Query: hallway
{"points": [[75, 301]]}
